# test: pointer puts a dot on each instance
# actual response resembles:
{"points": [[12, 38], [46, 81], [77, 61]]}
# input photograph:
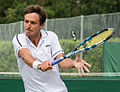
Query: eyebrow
{"points": [[30, 20]]}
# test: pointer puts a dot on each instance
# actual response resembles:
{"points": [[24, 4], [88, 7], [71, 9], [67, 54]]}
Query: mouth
{"points": [[28, 32], [28, 29]]}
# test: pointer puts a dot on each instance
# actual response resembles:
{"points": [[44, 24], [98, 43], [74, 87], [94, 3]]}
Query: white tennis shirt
{"points": [[48, 48]]}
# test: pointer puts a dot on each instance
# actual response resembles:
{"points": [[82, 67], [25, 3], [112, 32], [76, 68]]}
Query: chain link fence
{"points": [[83, 27]]}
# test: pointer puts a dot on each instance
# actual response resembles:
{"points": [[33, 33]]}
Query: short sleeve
{"points": [[56, 47], [19, 41]]}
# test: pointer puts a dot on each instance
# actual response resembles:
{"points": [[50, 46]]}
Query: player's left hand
{"points": [[46, 65], [80, 64]]}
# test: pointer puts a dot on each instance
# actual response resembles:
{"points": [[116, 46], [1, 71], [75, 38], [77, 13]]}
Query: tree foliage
{"points": [[12, 10]]}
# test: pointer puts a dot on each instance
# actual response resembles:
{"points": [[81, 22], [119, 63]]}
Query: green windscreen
{"points": [[111, 57]]}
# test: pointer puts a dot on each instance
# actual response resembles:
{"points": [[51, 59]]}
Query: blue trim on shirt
{"points": [[57, 52], [18, 40]]}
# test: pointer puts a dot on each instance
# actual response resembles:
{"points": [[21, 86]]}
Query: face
{"points": [[32, 25]]}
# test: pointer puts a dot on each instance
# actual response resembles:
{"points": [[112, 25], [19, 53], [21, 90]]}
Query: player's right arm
{"points": [[21, 51], [25, 54]]}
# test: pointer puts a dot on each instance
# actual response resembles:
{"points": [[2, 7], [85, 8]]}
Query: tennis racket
{"points": [[91, 42]]}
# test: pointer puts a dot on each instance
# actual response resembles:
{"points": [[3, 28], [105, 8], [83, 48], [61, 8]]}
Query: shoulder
{"points": [[19, 36], [51, 34]]}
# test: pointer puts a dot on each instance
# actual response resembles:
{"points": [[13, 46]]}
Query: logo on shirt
{"points": [[47, 45]]}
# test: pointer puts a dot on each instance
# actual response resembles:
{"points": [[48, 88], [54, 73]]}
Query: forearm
{"points": [[67, 63], [25, 54]]}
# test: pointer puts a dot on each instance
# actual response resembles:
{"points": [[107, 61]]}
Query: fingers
{"points": [[81, 68], [86, 69], [46, 65], [86, 63], [81, 71], [79, 59]]}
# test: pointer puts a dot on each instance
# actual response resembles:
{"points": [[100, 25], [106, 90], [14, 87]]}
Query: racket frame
{"points": [[77, 50]]}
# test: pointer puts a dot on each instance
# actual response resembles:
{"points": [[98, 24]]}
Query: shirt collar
{"points": [[44, 33]]}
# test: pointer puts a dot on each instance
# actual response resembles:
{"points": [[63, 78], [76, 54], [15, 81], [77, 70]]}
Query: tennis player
{"points": [[35, 49]]}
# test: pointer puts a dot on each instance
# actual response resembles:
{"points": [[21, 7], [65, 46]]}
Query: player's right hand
{"points": [[46, 65]]}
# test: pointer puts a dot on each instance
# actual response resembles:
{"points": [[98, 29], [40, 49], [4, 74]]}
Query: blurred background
{"points": [[65, 17]]}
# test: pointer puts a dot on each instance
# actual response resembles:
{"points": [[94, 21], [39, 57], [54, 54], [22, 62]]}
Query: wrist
{"points": [[35, 64], [74, 64]]}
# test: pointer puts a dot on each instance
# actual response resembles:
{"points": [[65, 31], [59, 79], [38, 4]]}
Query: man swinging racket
{"points": [[35, 49]]}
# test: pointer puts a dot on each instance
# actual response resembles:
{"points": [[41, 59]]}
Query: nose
{"points": [[29, 24]]}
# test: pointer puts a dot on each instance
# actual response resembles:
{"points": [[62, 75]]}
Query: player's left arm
{"points": [[66, 63], [78, 63]]}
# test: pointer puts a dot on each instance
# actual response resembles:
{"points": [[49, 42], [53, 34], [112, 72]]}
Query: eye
{"points": [[26, 21], [33, 22]]}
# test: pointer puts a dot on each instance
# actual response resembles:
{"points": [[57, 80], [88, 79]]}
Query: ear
{"points": [[42, 25]]}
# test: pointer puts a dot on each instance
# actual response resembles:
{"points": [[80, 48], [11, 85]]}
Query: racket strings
{"points": [[97, 38]]}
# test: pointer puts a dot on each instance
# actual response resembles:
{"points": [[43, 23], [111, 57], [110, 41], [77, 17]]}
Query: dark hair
{"points": [[36, 9]]}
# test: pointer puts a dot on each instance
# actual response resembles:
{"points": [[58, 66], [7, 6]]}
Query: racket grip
{"points": [[57, 60]]}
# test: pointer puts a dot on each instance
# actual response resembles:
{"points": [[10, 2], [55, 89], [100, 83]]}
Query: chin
{"points": [[28, 35]]}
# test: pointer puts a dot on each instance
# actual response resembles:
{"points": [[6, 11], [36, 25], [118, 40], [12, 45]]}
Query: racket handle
{"points": [[57, 60]]}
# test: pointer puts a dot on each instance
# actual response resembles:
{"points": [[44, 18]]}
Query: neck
{"points": [[35, 40]]}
